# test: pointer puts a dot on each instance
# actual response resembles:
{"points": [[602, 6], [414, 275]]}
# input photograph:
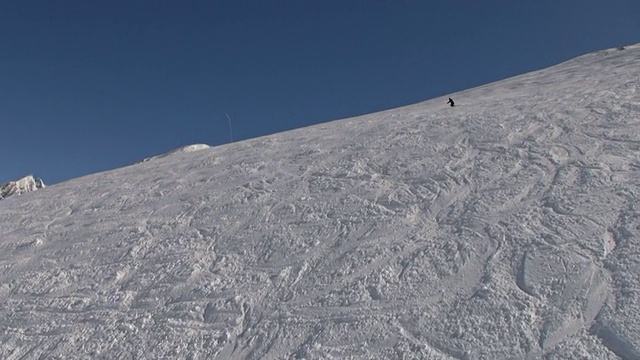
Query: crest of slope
{"points": [[505, 227]]}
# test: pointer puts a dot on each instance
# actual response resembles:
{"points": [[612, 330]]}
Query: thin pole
{"points": [[230, 132]]}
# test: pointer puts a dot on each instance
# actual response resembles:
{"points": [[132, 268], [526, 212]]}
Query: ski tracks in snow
{"points": [[420, 232]]}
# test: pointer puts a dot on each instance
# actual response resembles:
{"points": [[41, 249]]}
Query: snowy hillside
{"points": [[20, 186], [506, 227]]}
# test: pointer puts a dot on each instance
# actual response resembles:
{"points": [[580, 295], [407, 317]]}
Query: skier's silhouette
{"points": [[450, 102]]}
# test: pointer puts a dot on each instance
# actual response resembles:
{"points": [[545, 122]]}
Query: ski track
{"points": [[502, 228]]}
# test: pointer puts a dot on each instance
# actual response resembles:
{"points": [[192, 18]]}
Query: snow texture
{"points": [[183, 149], [506, 227], [20, 186]]}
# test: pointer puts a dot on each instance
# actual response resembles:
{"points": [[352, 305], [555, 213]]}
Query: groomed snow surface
{"points": [[506, 227]]}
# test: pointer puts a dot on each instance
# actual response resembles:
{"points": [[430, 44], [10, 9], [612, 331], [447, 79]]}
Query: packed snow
{"points": [[506, 227]]}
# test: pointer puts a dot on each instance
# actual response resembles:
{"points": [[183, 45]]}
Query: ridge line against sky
{"points": [[505, 228], [89, 87]]}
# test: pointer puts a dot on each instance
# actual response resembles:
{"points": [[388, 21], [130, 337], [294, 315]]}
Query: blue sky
{"points": [[87, 86]]}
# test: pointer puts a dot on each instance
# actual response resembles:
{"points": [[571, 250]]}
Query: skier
{"points": [[450, 102]]}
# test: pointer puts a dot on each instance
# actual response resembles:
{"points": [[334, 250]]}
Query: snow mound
{"points": [[20, 186], [189, 148], [183, 149]]}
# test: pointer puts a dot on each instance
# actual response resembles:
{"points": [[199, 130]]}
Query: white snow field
{"points": [[507, 227]]}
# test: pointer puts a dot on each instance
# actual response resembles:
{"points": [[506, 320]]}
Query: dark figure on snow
{"points": [[450, 102]]}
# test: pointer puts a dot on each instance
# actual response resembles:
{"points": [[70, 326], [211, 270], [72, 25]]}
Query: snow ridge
{"points": [[506, 227], [182, 149]]}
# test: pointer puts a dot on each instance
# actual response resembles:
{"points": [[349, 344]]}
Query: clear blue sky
{"points": [[87, 86]]}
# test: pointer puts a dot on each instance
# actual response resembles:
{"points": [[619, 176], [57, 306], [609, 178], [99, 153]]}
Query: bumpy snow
{"points": [[20, 186], [506, 227]]}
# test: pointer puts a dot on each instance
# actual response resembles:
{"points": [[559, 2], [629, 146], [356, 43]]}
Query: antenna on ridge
{"points": [[230, 132]]}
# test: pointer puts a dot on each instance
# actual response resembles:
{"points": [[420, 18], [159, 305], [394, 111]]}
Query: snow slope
{"points": [[506, 227], [183, 149]]}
